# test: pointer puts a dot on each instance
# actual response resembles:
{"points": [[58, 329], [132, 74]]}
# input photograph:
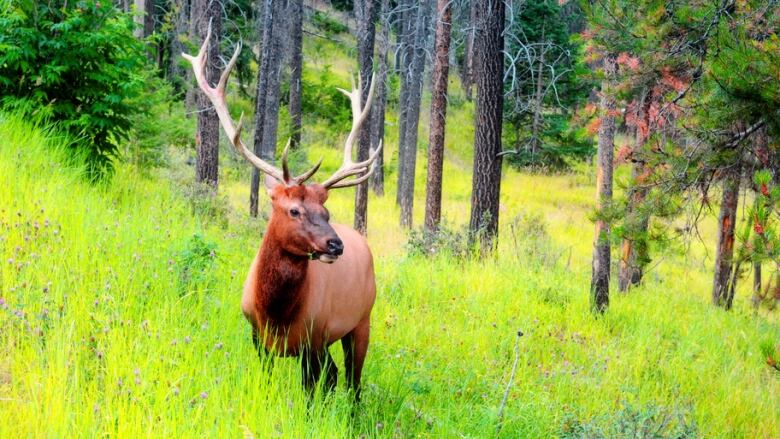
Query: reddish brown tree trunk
{"points": [[489, 76], [721, 295], [633, 250], [438, 115], [599, 284]]}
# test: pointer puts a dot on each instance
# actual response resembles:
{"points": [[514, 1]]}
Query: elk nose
{"points": [[335, 247]]}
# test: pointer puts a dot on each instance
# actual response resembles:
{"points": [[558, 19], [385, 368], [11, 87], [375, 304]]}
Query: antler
{"points": [[349, 168], [217, 98]]}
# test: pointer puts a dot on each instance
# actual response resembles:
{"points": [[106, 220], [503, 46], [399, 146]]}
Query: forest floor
{"points": [[119, 313]]}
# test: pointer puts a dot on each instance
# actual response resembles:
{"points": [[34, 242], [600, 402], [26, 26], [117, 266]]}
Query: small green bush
{"points": [[74, 63], [328, 25], [634, 422], [320, 99], [195, 262]]}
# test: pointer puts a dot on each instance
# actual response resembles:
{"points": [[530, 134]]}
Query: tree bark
{"points": [[267, 95], [489, 78], [407, 160], [633, 251], [599, 285], [725, 251], [380, 100], [405, 57], [467, 77], [365, 14], [439, 82], [181, 28], [144, 18], [296, 70], [207, 138]]}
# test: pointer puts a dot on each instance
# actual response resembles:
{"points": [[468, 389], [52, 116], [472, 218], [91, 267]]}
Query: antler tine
{"points": [[370, 162], [307, 175], [359, 115], [285, 168], [217, 98]]}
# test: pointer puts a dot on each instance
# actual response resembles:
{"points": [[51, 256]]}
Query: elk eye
{"points": [[295, 212]]}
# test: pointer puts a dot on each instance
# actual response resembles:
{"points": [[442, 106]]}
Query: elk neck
{"points": [[281, 278]]}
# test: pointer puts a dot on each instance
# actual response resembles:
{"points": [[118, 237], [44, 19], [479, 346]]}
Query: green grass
{"points": [[102, 334]]}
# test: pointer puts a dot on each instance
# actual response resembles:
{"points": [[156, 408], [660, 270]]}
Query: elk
{"points": [[311, 282]]}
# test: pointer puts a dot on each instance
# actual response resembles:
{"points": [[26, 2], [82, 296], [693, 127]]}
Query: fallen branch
{"points": [[509, 384]]}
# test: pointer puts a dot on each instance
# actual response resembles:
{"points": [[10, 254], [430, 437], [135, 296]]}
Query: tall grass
{"points": [[108, 327]]}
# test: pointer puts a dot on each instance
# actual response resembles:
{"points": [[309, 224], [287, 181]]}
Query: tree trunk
{"points": [[207, 138], [599, 285], [404, 66], [176, 72], [296, 70], [489, 78], [725, 252], [439, 82], [267, 96], [633, 250], [407, 160], [756, 285], [467, 77], [144, 18], [380, 100], [365, 14]]}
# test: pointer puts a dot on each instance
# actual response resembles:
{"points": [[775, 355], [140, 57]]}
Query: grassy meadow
{"points": [[119, 314]]}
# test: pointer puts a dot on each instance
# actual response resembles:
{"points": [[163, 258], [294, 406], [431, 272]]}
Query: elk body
{"points": [[312, 282]]}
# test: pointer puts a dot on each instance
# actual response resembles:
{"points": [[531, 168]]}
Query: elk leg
{"points": [[311, 368], [314, 363], [331, 371], [262, 351], [355, 345]]}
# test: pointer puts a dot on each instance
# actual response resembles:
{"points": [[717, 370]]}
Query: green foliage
{"points": [[160, 122], [90, 307], [648, 422], [321, 99], [546, 79], [328, 25], [74, 63], [195, 262], [564, 142], [445, 240]]}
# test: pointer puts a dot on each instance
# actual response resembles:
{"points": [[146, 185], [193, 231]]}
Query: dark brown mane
{"points": [[280, 282]]}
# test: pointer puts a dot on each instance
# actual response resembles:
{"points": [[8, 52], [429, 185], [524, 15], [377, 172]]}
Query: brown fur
{"points": [[298, 306]]}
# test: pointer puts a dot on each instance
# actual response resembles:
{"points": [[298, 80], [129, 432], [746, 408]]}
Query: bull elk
{"points": [[312, 282]]}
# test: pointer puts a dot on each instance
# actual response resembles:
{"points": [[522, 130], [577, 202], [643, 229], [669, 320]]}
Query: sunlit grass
{"points": [[100, 336]]}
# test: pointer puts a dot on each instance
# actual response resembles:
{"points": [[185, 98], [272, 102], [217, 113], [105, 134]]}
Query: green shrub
{"points": [[328, 25], [641, 423], [320, 99], [75, 63], [159, 123], [194, 264]]}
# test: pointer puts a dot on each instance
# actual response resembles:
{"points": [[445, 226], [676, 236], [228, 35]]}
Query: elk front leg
{"points": [[355, 345], [313, 363]]}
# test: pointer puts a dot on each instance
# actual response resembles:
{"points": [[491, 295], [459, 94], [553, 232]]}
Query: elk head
{"points": [[299, 218]]}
